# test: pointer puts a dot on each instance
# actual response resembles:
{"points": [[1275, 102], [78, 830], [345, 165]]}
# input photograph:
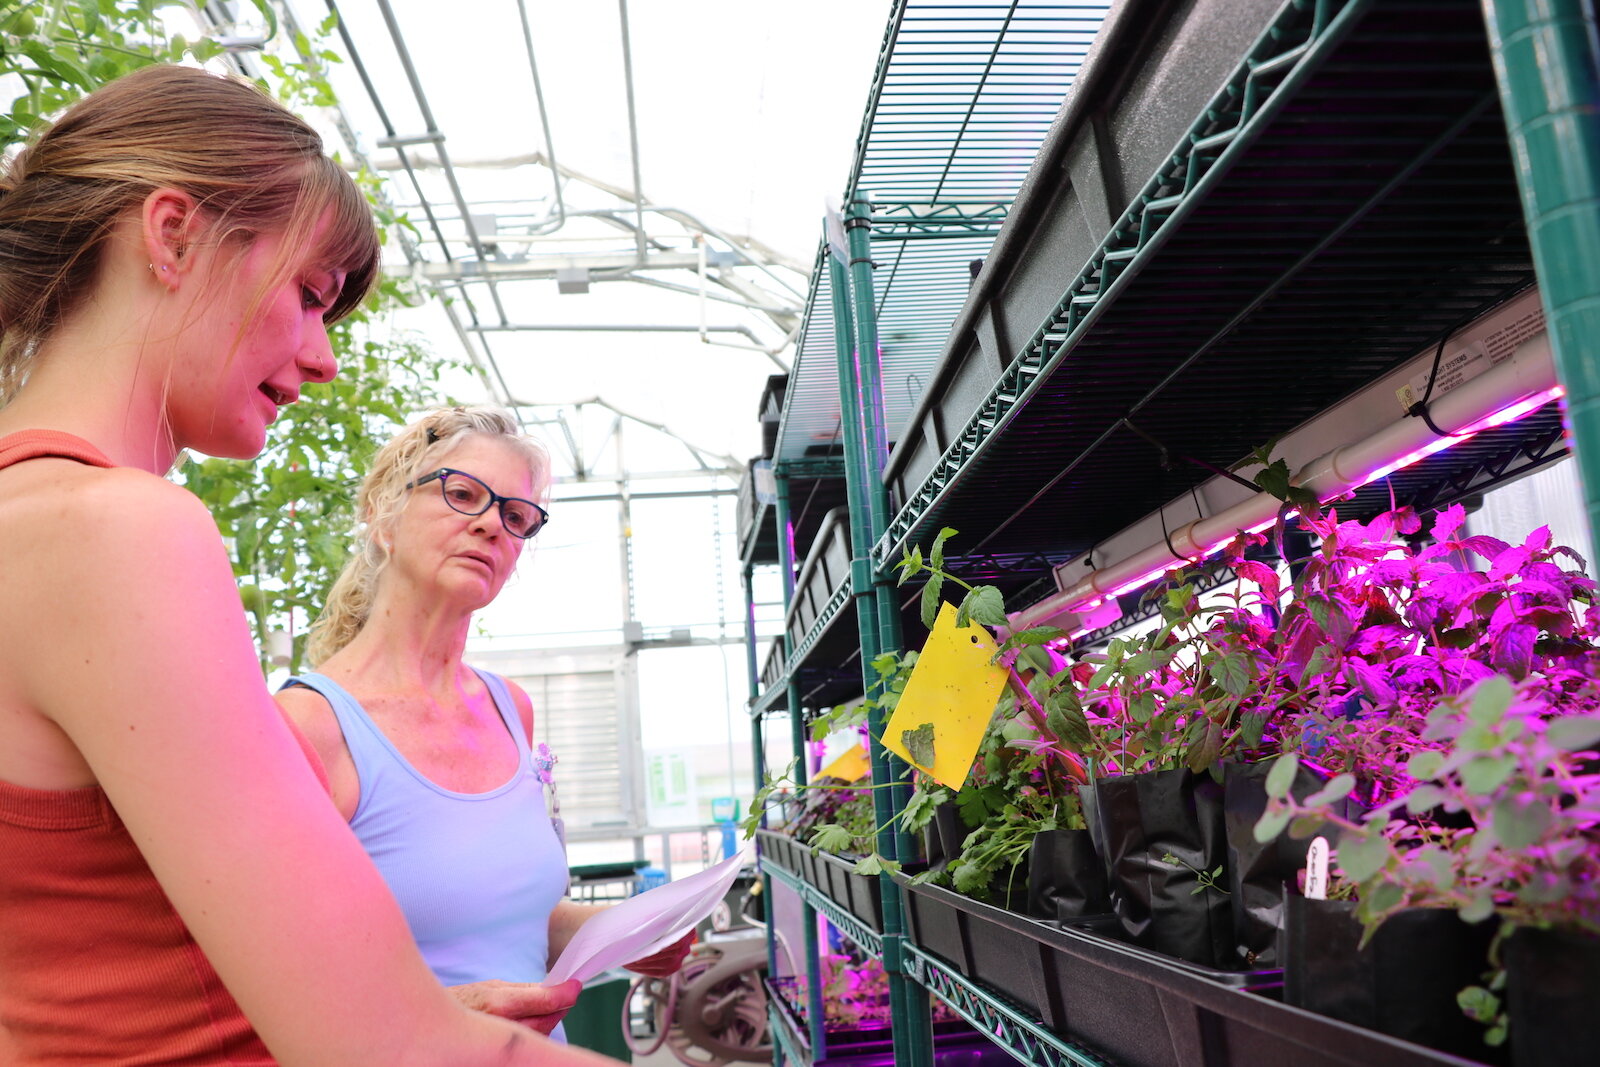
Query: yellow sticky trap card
{"points": [[853, 765], [945, 708]]}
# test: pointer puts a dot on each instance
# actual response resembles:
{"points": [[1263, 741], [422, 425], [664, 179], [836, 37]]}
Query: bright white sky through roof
{"points": [[747, 117]]}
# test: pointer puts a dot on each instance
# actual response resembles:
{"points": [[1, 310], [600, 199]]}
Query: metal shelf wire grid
{"points": [[1013, 1030], [961, 100], [1292, 46], [865, 938]]}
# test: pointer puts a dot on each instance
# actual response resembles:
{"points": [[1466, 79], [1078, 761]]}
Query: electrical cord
{"points": [[1420, 408]]}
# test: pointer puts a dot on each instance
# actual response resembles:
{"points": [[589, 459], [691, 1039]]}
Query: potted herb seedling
{"points": [[1503, 825], [1025, 844]]}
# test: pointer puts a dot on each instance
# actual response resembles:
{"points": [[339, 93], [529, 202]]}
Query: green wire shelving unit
{"points": [[962, 99]]}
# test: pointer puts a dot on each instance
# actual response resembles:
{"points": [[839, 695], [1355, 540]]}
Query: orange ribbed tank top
{"points": [[95, 965]]}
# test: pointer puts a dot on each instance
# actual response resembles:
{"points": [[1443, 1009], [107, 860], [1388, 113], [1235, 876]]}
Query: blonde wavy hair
{"points": [[413, 452]]}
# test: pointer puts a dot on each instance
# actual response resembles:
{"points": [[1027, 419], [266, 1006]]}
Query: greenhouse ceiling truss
{"points": [[465, 257]]}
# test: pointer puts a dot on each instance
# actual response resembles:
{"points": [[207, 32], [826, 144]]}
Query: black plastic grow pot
{"points": [[1553, 997], [1403, 983], [1066, 878], [1158, 832]]}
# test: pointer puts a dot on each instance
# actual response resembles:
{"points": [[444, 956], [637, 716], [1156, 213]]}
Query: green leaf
{"points": [[1305, 825], [1437, 865], [1064, 716], [1486, 774], [1425, 765], [910, 564], [1281, 777], [919, 810], [1491, 698], [936, 553], [1520, 821], [931, 591], [1035, 658], [831, 837], [1203, 753], [975, 804], [969, 879], [919, 743], [1384, 898], [1142, 706], [1339, 788], [1478, 1004], [1233, 673], [1574, 733], [1479, 908], [875, 864], [1032, 636], [1274, 478], [1362, 855], [1424, 798], [1271, 824], [1318, 663], [1317, 606], [269, 13], [885, 665], [985, 604]]}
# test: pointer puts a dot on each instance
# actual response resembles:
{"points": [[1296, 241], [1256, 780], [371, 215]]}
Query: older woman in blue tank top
{"points": [[429, 759]]}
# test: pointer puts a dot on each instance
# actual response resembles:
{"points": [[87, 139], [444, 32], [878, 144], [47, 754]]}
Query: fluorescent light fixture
{"points": [[1507, 414]]}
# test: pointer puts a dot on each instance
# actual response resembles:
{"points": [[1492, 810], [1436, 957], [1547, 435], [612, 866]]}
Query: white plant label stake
{"points": [[1317, 869]]}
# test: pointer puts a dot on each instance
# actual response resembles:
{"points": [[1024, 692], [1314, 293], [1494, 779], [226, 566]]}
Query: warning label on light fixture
{"points": [[1486, 344]]}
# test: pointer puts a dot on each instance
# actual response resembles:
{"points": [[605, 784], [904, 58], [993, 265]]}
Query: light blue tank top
{"points": [[477, 874]]}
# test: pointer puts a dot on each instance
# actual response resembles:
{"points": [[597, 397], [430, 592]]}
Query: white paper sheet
{"points": [[645, 924]]}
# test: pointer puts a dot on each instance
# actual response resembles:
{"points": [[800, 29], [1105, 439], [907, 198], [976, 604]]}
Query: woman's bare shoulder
{"points": [[57, 504], [71, 536], [310, 711], [524, 704]]}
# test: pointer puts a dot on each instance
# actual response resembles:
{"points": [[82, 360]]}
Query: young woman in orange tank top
{"points": [[176, 886]]}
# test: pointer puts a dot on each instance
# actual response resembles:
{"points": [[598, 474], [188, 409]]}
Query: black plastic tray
{"points": [[859, 894], [779, 850], [1138, 1007]]}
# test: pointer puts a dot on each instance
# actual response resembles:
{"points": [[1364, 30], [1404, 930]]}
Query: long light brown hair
{"points": [[252, 167]]}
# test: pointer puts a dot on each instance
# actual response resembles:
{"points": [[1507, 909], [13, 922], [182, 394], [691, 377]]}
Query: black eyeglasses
{"points": [[466, 494]]}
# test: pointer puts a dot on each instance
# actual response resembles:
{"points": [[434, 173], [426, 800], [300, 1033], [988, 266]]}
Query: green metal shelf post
{"points": [[913, 1045], [758, 753], [868, 397], [861, 409], [797, 734], [1549, 77], [858, 231]]}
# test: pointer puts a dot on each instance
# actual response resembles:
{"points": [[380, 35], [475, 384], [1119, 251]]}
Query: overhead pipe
{"points": [[433, 130], [1521, 384], [633, 130], [544, 122]]}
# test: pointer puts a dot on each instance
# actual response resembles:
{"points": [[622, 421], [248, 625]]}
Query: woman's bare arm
{"points": [[137, 648]]}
